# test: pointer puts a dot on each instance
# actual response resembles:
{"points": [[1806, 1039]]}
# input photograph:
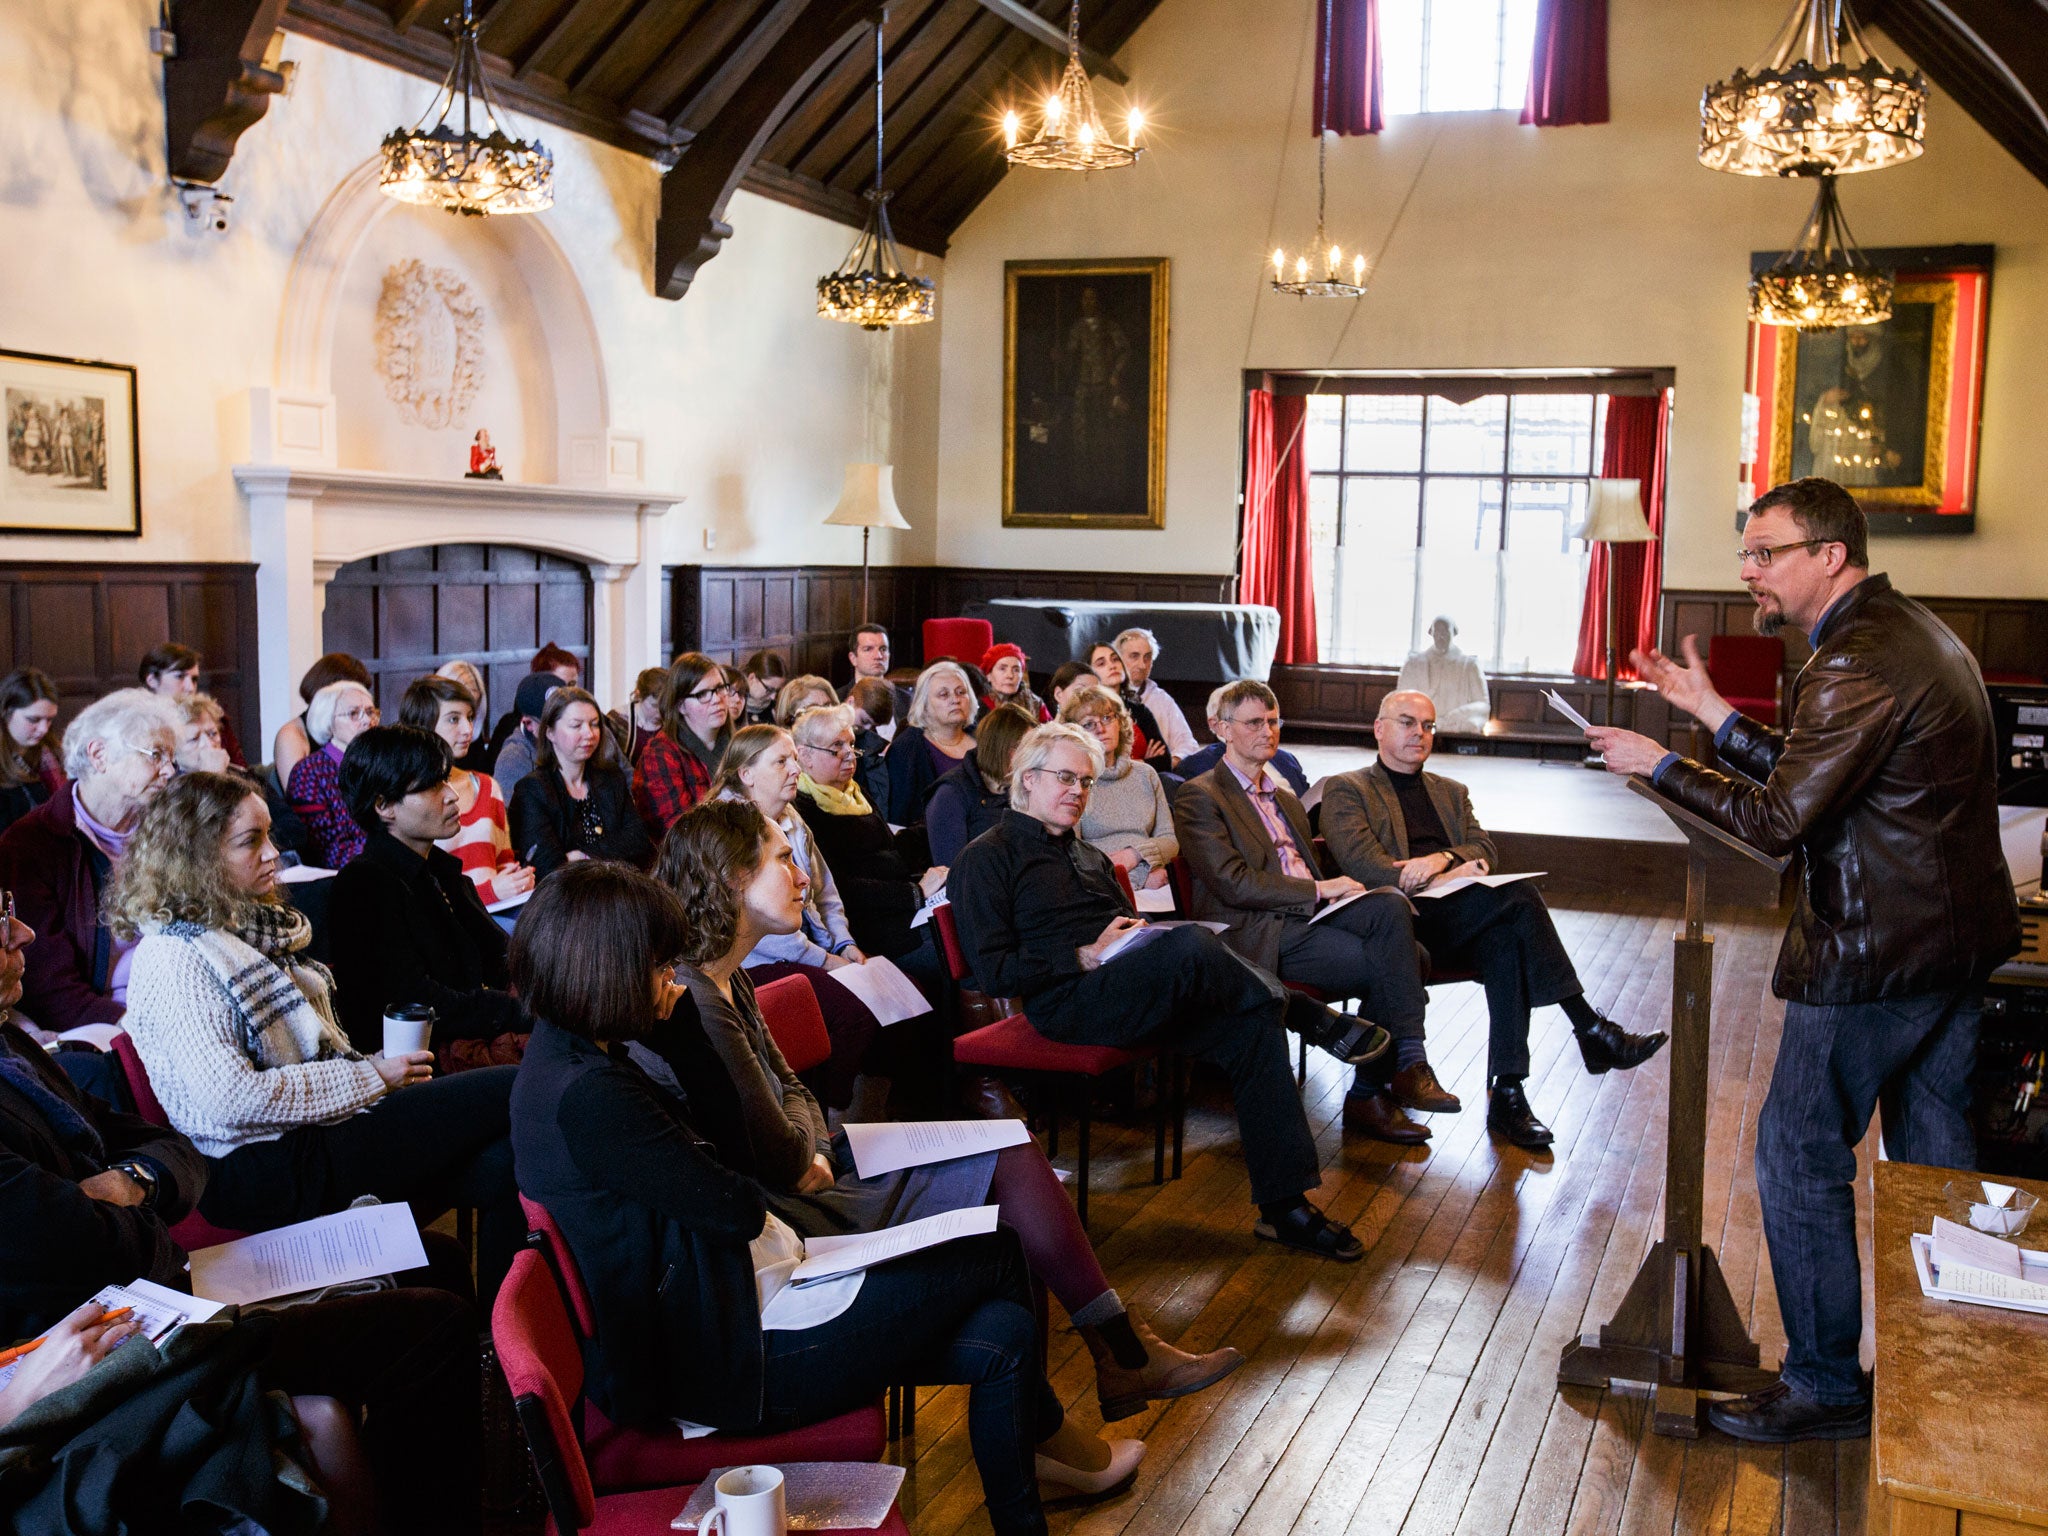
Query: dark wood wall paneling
{"points": [[1338, 704], [494, 605], [88, 625], [2007, 635]]}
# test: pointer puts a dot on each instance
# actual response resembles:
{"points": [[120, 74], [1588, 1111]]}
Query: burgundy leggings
{"points": [[1034, 1203]]}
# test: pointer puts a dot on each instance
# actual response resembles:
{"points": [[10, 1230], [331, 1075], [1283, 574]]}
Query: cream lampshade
{"points": [[867, 502], [1615, 516]]}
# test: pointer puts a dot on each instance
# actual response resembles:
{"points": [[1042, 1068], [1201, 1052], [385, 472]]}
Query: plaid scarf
{"points": [[274, 991]]}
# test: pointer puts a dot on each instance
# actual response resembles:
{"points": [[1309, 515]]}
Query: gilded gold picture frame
{"points": [[1084, 393]]}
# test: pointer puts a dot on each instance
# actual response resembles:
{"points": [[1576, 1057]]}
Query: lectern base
{"points": [[1678, 1331]]}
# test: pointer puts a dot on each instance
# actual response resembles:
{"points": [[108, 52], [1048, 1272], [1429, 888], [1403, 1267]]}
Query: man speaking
{"points": [[1886, 784]]}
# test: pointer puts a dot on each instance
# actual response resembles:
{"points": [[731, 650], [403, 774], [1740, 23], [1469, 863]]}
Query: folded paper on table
{"points": [[883, 1146], [1451, 887], [1557, 703], [1138, 938], [357, 1244], [817, 1495], [825, 1257], [1154, 898], [889, 995]]}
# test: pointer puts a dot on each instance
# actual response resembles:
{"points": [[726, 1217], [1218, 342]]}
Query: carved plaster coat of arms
{"points": [[430, 330]]}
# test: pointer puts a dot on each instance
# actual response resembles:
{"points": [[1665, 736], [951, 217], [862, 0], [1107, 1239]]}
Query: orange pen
{"points": [[9, 1356]]}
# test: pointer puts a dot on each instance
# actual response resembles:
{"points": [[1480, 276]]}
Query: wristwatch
{"points": [[144, 1175]]}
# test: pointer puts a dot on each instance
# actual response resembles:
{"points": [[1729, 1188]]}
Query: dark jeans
{"points": [[1187, 992], [435, 1145], [958, 1313], [408, 1361], [1912, 1057], [1506, 935]]}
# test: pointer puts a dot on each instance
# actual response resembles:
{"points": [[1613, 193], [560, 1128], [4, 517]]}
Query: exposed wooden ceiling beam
{"points": [[1024, 19], [1991, 56], [408, 14], [215, 87]]}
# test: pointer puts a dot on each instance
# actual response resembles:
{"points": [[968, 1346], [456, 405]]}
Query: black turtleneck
{"points": [[1425, 828]]}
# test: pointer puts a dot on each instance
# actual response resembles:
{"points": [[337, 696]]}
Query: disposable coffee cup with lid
{"points": [[408, 1028]]}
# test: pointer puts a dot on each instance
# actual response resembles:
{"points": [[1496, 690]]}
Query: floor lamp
{"points": [[1615, 516], [867, 502]]}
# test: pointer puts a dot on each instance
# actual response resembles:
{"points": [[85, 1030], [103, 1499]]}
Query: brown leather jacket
{"points": [[1887, 783]]}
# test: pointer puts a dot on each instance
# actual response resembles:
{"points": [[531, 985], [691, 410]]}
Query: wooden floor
{"points": [[1415, 1392]]}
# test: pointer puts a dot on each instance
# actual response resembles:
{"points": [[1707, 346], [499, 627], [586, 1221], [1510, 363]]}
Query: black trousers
{"points": [[435, 1145], [1506, 935], [1187, 992], [1366, 951]]}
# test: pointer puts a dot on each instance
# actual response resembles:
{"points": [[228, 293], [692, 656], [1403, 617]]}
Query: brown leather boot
{"points": [[1167, 1372], [1417, 1088], [989, 1098], [1375, 1114]]}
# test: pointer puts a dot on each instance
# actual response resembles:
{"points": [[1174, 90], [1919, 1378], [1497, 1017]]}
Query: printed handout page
{"points": [[1138, 938], [1972, 1263], [825, 1257], [1440, 888], [883, 1146], [889, 995], [1344, 901], [1557, 703], [924, 913], [357, 1244], [1154, 898]]}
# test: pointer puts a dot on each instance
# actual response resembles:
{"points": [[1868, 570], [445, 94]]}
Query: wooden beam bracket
{"points": [[215, 87]]}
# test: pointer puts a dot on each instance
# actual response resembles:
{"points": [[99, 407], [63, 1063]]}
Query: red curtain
{"points": [[1350, 63], [1568, 69], [1635, 449], [1278, 564]]}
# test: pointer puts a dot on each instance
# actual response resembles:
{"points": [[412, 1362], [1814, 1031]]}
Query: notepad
{"points": [[356, 1244], [157, 1308]]}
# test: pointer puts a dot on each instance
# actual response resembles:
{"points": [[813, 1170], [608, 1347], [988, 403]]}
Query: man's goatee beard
{"points": [[1768, 621]]}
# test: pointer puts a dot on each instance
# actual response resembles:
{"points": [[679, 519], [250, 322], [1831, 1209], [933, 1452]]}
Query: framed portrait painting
{"points": [[1892, 410], [1084, 393], [71, 461]]}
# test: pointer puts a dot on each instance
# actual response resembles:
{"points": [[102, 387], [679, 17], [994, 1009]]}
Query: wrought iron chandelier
{"points": [[1070, 134], [1824, 281], [465, 162], [870, 289], [1821, 102], [1303, 281]]}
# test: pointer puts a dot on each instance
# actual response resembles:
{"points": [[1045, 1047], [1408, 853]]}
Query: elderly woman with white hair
{"points": [[1128, 816], [118, 753], [935, 736], [339, 713]]}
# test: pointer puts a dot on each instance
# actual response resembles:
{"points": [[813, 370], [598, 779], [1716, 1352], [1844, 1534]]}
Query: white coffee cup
{"points": [[407, 1029], [747, 1501]]}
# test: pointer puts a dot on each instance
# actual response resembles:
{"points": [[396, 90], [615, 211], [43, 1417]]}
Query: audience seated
{"points": [[31, 764], [1008, 671], [972, 798], [476, 758], [686, 1264], [736, 874], [1149, 743], [407, 925], [1284, 763], [762, 676], [512, 759], [936, 734], [201, 722], [482, 840], [577, 803], [1128, 817], [874, 721], [550, 661], [868, 654], [339, 713], [679, 762], [119, 753], [634, 726], [292, 742], [87, 1199], [246, 1054], [1138, 649], [1038, 909], [1394, 824], [172, 670], [799, 694]]}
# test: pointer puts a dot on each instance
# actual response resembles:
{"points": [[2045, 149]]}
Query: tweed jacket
{"points": [[1237, 874], [1363, 825]]}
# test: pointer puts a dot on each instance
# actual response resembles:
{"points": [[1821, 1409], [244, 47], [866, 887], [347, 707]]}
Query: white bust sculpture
{"points": [[1451, 678]]}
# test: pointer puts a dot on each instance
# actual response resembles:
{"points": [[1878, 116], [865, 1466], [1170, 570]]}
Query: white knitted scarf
{"points": [[285, 1005]]}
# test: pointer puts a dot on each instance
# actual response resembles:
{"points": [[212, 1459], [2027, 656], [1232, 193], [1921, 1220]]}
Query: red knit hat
{"points": [[997, 652]]}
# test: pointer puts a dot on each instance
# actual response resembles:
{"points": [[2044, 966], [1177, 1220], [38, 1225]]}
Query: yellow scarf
{"points": [[836, 802]]}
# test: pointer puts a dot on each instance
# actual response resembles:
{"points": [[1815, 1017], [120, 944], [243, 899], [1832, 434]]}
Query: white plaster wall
{"points": [[1577, 247], [750, 404]]}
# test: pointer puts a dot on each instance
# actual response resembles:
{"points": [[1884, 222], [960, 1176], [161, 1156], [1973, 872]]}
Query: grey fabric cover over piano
{"points": [[1198, 642]]}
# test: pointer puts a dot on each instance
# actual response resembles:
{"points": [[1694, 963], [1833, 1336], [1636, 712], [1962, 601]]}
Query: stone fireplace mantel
{"points": [[306, 523]]}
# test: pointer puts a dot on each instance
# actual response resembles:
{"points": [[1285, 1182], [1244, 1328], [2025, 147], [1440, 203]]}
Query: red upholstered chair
{"points": [[963, 640], [789, 1007], [634, 1458], [537, 1346], [195, 1231], [1012, 1048], [1746, 671]]}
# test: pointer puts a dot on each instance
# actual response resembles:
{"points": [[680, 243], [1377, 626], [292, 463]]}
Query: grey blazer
{"points": [[1237, 874], [1363, 825]]}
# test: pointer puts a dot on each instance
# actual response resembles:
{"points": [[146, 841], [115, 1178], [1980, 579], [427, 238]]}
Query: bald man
{"points": [[1394, 824]]}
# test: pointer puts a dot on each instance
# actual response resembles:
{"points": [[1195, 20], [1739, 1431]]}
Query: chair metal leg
{"points": [[1180, 1109], [1301, 1065], [908, 1392], [1161, 1107], [892, 1411], [1081, 1175]]}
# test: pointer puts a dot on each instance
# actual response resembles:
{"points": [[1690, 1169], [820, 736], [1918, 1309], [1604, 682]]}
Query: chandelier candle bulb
{"points": [[452, 165], [1070, 134]]}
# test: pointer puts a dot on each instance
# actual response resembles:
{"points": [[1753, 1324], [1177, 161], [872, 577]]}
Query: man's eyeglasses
{"points": [[1764, 554], [1410, 723], [1068, 778], [1254, 722]]}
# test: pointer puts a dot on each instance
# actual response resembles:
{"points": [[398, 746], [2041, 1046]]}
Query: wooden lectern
{"points": [[1678, 1328]]}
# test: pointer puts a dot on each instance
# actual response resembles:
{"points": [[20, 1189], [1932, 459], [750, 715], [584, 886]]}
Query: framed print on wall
{"points": [[1084, 393], [1892, 411], [71, 463]]}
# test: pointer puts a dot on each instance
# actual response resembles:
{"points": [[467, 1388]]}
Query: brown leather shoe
{"points": [[1376, 1115], [1167, 1372], [989, 1098], [1416, 1087]]}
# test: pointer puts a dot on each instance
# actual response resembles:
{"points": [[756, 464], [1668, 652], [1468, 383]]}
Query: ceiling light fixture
{"points": [[1319, 273], [455, 166], [1824, 281], [870, 289], [1070, 134]]}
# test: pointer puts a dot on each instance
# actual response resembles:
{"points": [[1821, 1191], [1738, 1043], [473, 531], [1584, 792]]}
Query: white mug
{"points": [[747, 1501], [407, 1029]]}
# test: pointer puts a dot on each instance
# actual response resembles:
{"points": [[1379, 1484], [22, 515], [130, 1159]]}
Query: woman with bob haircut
{"points": [[735, 872], [678, 763], [339, 713], [1128, 816], [801, 693], [972, 798], [482, 842], [935, 736], [577, 803], [238, 1030], [31, 766], [685, 1262]]}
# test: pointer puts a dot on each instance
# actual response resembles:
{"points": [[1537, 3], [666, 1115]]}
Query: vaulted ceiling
{"points": [[1990, 55]]}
